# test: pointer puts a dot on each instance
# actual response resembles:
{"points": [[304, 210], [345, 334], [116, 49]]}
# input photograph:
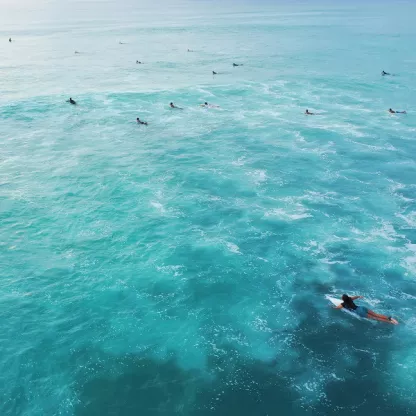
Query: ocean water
{"points": [[180, 268]]}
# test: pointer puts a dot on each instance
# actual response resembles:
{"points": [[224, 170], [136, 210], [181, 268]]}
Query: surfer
{"points": [[396, 112], [139, 62], [141, 122], [237, 64], [71, 101], [209, 105], [174, 106], [308, 113], [385, 73], [10, 39], [214, 73], [362, 311]]}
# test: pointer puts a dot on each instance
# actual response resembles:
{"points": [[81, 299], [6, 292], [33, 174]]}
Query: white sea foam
{"points": [[327, 198], [168, 212], [409, 259], [329, 261], [158, 206], [261, 325], [262, 259], [320, 150], [409, 219], [374, 147], [233, 248], [259, 176], [299, 137], [174, 270], [385, 231], [240, 161], [291, 214]]}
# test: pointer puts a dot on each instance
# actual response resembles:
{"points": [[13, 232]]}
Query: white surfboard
{"points": [[338, 302]]}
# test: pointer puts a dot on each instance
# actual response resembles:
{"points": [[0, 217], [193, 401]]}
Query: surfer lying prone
{"points": [[396, 112], [362, 311]]}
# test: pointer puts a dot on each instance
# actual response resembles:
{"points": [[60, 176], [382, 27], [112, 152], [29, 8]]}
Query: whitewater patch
{"points": [[289, 214]]}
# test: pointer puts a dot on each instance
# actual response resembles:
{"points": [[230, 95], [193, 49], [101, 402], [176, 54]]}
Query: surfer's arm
{"points": [[356, 297], [338, 307]]}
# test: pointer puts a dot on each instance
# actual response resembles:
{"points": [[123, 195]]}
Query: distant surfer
{"points": [[171, 105], [139, 62], [237, 64], [362, 311], [385, 73], [214, 73], [396, 112], [308, 113], [71, 101], [190, 50], [209, 105], [10, 39], [141, 122], [121, 43], [76, 52]]}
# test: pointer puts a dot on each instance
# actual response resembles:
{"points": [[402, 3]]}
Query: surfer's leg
{"points": [[379, 317]]}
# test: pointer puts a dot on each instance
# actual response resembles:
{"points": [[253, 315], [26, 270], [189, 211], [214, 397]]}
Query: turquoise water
{"points": [[181, 268]]}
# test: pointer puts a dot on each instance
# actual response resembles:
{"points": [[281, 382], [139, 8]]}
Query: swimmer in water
{"points": [[237, 64], [139, 62], [396, 112], [121, 43], [141, 122], [214, 73], [10, 39], [385, 73], [71, 101], [171, 105], [308, 113], [190, 50]]}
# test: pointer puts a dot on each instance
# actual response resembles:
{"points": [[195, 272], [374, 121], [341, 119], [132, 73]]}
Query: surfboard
{"points": [[338, 302]]}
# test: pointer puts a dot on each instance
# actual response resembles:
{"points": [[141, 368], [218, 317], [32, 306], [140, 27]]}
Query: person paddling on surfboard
{"points": [[71, 101], [362, 311], [141, 122], [396, 112], [206, 105]]}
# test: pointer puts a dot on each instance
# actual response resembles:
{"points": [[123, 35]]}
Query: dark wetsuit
{"points": [[359, 310]]}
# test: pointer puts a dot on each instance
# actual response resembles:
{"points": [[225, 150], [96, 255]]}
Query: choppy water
{"points": [[181, 268]]}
